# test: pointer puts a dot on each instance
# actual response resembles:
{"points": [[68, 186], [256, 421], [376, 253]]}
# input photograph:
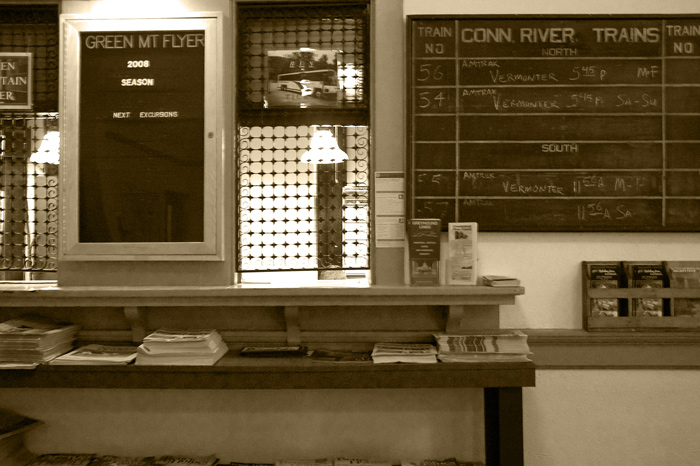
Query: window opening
{"points": [[28, 179], [295, 215], [303, 69]]}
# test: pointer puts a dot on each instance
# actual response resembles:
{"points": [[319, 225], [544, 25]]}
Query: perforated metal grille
{"points": [[295, 215], [28, 190], [28, 199]]}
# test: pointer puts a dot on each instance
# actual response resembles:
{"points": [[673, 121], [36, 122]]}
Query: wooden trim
{"points": [[582, 338], [48, 295], [321, 317], [232, 372], [578, 349]]}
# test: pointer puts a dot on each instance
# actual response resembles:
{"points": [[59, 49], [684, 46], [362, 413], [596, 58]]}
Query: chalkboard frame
{"points": [[692, 225], [211, 247]]}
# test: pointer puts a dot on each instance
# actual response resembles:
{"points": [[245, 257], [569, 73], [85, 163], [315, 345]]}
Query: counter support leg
{"points": [[503, 423]]}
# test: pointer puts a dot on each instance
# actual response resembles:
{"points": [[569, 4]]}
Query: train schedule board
{"points": [[555, 123], [141, 127]]}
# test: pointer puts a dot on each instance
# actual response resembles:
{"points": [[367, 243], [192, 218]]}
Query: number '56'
{"points": [[427, 71]]}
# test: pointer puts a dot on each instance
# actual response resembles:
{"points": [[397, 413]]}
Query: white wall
{"points": [[549, 266], [612, 418]]}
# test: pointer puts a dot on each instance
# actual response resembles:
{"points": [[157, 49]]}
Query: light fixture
{"points": [[323, 149], [48, 151]]}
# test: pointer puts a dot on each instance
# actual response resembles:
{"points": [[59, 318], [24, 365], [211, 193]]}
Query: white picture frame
{"points": [[71, 247]]}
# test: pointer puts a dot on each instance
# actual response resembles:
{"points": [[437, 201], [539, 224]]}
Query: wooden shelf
{"points": [[320, 316], [235, 372], [395, 313], [501, 382], [461, 307], [254, 295]]}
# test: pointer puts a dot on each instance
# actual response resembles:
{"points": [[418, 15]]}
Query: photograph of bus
{"points": [[302, 78], [322, 84]]}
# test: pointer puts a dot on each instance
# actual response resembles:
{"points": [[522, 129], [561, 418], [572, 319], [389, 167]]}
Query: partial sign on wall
{"points": [[16, 82], [555, 123]]}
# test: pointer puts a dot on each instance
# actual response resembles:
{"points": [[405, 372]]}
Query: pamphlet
{"points": [[424, 250], [461, 262], [606, 276]]}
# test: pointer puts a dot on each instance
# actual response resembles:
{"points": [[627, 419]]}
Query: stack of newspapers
{"points": [[496, 346], [96, 355], [29, 340], [404, 352], [181, 347]]}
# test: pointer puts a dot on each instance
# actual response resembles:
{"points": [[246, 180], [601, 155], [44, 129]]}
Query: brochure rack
{"points": [[626, 295]]}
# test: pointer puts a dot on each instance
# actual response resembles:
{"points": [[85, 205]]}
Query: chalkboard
{"points": [[141, 140], [555, 123]]}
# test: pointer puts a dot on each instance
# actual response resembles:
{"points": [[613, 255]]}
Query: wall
{"points": [[610, 417]]}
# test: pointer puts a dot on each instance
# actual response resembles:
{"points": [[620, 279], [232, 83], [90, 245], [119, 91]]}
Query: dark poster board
{"points": [[555, 124], [141, 137]]}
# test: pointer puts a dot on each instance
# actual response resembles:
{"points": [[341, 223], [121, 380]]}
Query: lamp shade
{"points": [[323, 149]]}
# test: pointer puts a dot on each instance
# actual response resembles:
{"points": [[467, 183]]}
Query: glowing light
{"points": [[323, 149], [48, 151]]}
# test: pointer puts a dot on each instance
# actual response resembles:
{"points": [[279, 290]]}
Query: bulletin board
{"points": [[555, 123], [143, 135]]}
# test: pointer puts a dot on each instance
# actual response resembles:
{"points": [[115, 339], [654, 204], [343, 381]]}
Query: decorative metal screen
{"points": [[28, 187], [296, 216], [302, 68]]}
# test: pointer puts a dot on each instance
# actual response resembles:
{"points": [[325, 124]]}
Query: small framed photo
{"points": [[302, 78]]}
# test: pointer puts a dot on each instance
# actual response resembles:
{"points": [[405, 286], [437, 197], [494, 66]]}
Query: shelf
{"points": [[314, 315], [319, 314], [255, 295], [234, 372]]}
